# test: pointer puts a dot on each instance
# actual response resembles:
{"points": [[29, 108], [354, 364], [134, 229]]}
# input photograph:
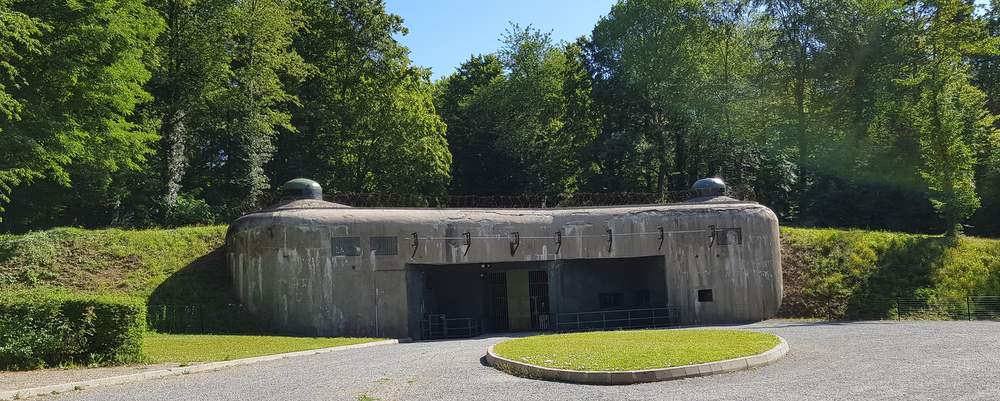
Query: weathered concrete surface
{"points": [[285, 269]]}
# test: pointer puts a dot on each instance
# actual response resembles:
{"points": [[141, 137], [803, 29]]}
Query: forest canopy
{"points": [[139, 113]]}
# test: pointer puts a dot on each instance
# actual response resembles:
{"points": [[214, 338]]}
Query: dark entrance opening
{"points": [[466, 300], [453, 301], [606, 294]]}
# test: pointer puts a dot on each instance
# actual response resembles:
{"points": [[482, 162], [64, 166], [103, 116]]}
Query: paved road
{"points": [[845, 361]]}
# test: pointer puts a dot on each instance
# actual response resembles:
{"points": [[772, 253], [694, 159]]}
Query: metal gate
{"points": [[538, 293], [496, 290]]}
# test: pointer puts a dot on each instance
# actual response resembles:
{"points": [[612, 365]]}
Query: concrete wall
{"points": [[286, 272]]}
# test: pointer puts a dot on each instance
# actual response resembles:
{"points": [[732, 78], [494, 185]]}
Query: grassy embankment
{"points": [[857, 274], [635, 350], [183, 266]]}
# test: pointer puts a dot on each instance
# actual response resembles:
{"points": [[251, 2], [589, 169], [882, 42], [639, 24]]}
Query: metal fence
{"points": [[180, 318], [437, 327], [617, 319], [369, 199], [917, 308]]}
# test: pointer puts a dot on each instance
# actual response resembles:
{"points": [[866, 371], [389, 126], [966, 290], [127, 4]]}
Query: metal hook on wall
{"points": [[558, 241], [468, 242], [515, 242], [414, 242], [711, 236], [611, 240], [662, 235]]}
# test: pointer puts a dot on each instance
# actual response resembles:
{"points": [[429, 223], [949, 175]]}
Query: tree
{"points": [[950, 112], [367, 121], [986, 76], [77, 72], [472, 127], [19, 35], [519, 119], [193, 67], [237, 140]]}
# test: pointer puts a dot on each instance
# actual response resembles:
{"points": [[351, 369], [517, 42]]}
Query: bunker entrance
{"points": [[604, 294], [454, 301], [470, 299]]}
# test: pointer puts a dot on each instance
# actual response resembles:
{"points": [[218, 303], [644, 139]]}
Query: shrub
{"points": [[42, 328], [188, 211]]}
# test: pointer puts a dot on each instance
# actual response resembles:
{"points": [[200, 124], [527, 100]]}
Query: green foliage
{"points": [[526, 108], [44, 328], [190, 212], [367, 122], [857, 274], [78, 73]]}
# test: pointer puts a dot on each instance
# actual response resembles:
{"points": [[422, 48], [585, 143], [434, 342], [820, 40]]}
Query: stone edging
{"points": [[204, 367], [636, 376]]}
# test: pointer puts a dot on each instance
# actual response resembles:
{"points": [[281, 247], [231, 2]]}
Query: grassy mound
{"points": [[634, 350], [856, 274], [170, 269]]}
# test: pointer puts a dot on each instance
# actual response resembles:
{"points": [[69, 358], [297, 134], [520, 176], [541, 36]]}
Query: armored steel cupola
{"points": [[302, 188], [707, 187]]}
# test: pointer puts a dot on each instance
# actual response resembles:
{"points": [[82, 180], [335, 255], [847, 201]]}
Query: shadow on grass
{"points": [[199, 299]]}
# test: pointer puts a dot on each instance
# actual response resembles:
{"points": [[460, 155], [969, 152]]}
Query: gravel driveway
{"points": [[857, 361]]}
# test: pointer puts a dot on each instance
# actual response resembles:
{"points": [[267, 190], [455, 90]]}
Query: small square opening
{"points": [[705, 295]]}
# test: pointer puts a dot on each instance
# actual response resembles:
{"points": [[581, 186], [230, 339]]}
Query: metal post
{"points": [[899, 312], [968, 306]]}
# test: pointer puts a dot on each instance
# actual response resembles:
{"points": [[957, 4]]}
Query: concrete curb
{"points": [[205, 367], [636, 376]]}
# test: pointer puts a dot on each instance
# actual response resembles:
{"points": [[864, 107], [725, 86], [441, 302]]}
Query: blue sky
{"points": [[444, 33]]}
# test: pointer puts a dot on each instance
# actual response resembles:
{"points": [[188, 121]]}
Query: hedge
{"points": [[41, 328]]}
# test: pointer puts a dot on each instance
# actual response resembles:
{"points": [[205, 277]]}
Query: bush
{"points": [[40, 328], [189, 211], [856, 274]]}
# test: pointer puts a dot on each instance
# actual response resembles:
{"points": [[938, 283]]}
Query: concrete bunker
{"points": [[316, 268]]}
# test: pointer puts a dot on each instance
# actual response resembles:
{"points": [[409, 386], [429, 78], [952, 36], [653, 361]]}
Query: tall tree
{"points": [[19, 34], [950, 112], [472, 127], [367, 121], [238, 141], [193, 67], [77, 84], [519, 119]]}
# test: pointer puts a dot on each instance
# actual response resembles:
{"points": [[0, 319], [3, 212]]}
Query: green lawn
{"points": [[184, 348], [635, 350]]}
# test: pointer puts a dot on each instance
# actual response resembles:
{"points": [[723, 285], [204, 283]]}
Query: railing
{"points": [[617, 319], [437, 327], [916, 308], [971, 308], [182, 318]]}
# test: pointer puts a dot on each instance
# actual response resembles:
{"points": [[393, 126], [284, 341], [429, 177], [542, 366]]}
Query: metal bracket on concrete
{"points": [[558, 241], [611, 240], [515, 242], [711, 235], [468, 242], [662, 235], [414, 242]]}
